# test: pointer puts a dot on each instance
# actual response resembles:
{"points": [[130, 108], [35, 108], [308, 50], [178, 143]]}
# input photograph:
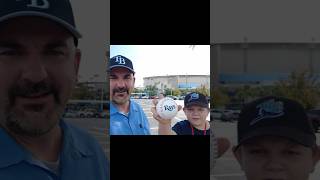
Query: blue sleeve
{"points": [[177, 128], [108, 170]]}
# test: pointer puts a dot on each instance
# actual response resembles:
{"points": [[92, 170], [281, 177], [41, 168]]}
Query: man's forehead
{"points": [[263, 140], [120, 70], [195, 106], [39, 25]]}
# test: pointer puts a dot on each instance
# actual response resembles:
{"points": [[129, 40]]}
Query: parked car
{"points": [[87, 113], [216, 114], [230, 115], [145, 97], [181, 97], [103, 114], [173, 97], [69, 114]]}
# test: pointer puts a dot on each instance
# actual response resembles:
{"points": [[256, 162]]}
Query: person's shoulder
{"points": [[183, 123], [135, 105], [181, 127]]}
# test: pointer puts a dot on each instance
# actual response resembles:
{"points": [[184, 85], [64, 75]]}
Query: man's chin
{"points": [[32, 124]]}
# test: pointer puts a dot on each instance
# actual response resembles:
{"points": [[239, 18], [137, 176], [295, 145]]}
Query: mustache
{"points": [[120, 90], [29, 89]]}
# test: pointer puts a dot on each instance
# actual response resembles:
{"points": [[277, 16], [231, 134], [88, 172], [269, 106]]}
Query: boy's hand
{"points": [[157, 117]]}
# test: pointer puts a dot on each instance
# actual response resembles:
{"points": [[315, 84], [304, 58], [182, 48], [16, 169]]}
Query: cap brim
{"points": [[114, 66], [65, 24], [196, 104], [305, 139]]}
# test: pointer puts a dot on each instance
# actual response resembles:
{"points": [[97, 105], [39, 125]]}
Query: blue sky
{"points": [[161, 60]]}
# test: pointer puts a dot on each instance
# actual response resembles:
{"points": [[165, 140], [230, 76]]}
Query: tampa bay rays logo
{"points": [[41, 4], [268, 109], [120, 60], [193, 96]]}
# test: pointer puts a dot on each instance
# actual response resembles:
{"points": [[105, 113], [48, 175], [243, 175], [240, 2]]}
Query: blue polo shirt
{"points": [[81, 158], [135, 123]]}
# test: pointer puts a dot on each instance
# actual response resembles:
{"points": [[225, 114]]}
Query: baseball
{"points": [[167, 108]]}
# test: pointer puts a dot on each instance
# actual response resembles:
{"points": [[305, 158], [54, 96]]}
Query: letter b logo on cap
{"points": [[120, 60], [41, 4]]}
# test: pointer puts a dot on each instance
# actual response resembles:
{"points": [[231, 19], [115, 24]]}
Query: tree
{"points": [[151, 89], [82, 91], [176, 92], [220, 98], [136, 90], [203, 90], [300, 86]]}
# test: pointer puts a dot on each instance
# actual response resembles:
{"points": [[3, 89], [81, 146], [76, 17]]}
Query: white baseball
{"points": [[167, 108]]}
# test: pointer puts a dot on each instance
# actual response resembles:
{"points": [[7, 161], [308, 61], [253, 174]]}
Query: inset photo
{"points": [[159, 89]]}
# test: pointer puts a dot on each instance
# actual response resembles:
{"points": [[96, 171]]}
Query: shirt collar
{"points": [[132, 104], [12, 153]]}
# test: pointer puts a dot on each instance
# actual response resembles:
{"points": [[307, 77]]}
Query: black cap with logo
{"points": [[195, 98], [120, 61], [59, 11], [275, 116]]}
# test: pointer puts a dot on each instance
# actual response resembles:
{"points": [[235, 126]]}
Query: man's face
{"points": [[196, 114], [268, 158], [38, 65], [121, 85]]}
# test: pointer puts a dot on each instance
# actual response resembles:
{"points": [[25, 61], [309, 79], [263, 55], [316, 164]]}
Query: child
{"points": [[276, 140], [196, 108]]}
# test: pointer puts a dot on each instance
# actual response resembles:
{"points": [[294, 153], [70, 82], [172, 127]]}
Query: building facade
{"points": [[262, 63], [177, 81]]}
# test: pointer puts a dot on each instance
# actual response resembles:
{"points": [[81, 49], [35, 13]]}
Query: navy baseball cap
{"points": [[121, 61], [195, 98], [59, 11], [275, 116]]}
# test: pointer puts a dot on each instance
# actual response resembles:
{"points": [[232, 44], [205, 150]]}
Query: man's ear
{"points": [[77, 59], [315, 157]]}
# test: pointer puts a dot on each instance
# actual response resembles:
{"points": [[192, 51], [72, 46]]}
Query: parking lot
{"points": [[226, 167], [146, 105]]}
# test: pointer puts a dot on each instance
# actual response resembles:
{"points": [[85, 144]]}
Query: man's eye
{"points": [[9, 52], [257, 151], [55, 52], [291, 152]]}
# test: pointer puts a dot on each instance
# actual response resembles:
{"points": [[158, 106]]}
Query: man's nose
{"points": [[274, 163], [121, 83], [34, 70]]}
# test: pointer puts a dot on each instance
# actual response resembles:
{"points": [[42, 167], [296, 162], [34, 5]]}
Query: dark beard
{"points": [[27, 89]]}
